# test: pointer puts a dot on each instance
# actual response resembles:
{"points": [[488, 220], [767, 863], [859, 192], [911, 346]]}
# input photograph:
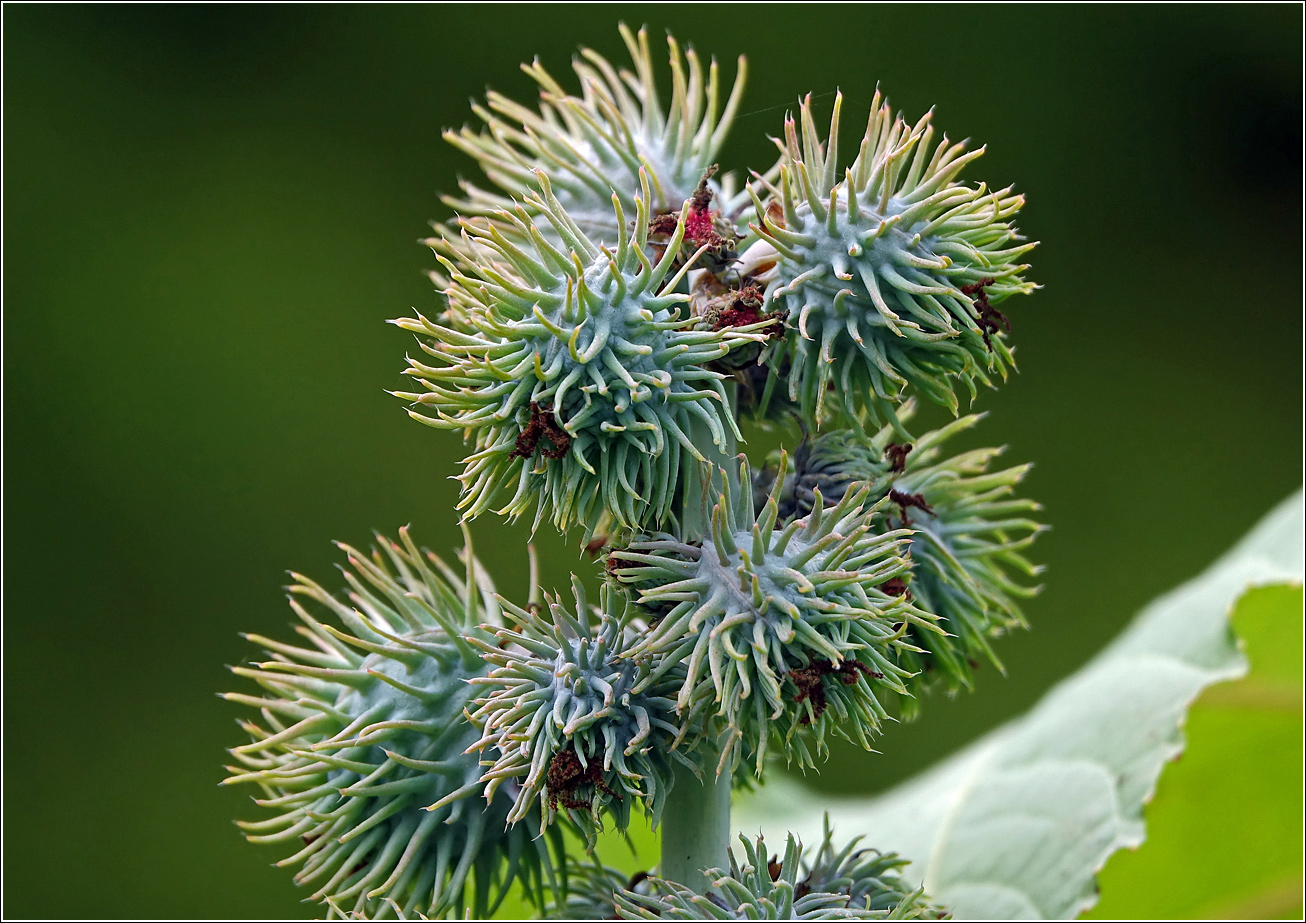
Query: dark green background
{"points": [[210, 211]]}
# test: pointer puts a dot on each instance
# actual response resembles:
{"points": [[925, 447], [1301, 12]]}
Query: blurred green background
{"points": [[210, 211]]}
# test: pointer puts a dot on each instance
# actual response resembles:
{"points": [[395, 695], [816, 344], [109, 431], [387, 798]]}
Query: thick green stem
{"points": [[696, 825], [696, 821]]}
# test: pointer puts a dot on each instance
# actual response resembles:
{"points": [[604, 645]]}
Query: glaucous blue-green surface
{"points": [[774, 621], [887, 264], [572, 138], [574, 372], [370, 779], [1017, 824], [562, 694], [970, 532], [846, 884], [210, 214]]}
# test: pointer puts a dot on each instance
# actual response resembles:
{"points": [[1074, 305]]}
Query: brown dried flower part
{"points": [[701, 200], [908, 501], [542, 426], [811, 686], [566, 775], [896, 587], [897, 455], [663, 225], [989, 317]]}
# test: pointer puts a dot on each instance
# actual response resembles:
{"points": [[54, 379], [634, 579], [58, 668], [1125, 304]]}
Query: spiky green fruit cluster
{"points": [[762, 889], [593, 146], [889, 269], [782, 628], [871, 879], [969, 532], [579, 378], [571, 719], [362, 753], [845, 883], [592, 888]]}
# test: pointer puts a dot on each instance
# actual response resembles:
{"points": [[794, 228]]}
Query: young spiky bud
{"points": [[592, 888], [362, 754], [872, 879], [969, 533], [889, 270], [784, 629], [847, 885], [594, 146], [568, 717], [580, 376]]}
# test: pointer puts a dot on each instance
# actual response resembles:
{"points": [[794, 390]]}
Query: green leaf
{"points": [[1016, 825], [1224, 833]]}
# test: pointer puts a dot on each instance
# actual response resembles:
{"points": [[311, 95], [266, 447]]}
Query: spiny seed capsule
{"points": [[782, 889], [871, 879], [891, 276], [784, 629], [579, 379], [362, 753], [969, 533], [592, 892], [595, 144], [592, 888], [563, 718]]}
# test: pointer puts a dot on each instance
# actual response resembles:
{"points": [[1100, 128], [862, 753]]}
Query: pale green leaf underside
{"points": [[1016, 825]]}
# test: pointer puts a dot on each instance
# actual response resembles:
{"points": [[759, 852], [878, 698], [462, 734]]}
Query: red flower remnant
{"points": [[701, 225], [744, 307], [698, 223]]}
